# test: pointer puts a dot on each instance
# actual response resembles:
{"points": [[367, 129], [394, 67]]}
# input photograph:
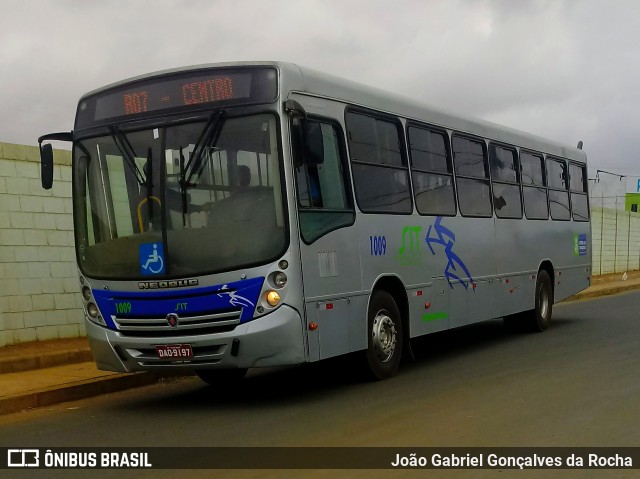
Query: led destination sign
{"points": [[227, 87], [173, 93], [193, 93]]}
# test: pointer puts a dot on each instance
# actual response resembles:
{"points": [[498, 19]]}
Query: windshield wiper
{"points": [[129, 155], [183, 189], [196, 162], [208, 138]]}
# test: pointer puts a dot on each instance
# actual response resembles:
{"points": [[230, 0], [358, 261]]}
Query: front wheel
{"points": [[385, 336]]}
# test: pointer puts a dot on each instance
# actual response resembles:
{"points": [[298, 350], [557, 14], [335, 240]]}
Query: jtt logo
{"points": [[23, 458]]}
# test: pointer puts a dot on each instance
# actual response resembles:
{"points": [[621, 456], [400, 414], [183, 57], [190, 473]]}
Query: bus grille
{"points": [[188, 325]]}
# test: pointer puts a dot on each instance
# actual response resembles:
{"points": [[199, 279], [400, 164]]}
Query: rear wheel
{"points": [[220, 377], [539, 319], [385, 336]]}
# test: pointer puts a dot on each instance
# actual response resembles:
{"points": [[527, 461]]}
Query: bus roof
{"points": [[296, 78]]}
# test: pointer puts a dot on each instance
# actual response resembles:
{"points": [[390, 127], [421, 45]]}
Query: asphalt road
{"points": [[575, 385]]}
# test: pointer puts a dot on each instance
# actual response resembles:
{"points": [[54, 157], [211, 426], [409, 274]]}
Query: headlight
{"points": [[280, 279], [86, 293], [92, 310]]}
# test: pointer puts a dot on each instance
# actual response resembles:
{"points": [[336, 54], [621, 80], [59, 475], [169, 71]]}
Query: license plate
{"points": [[174, 351]]}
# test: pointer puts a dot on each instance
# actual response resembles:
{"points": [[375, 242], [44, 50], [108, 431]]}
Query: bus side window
{"points": [[472, 176], [536, 203], [322, 189], [506, 182], [558, 189], [380, 171], [432, 172], [579, 197]]}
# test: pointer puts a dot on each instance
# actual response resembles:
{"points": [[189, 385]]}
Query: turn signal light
{"points": [[273, 298]]}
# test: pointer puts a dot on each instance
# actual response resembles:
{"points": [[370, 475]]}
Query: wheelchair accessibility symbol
{"points": [[151, 258]]}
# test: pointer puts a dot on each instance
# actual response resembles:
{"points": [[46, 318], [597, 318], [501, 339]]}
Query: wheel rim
{"points": [[544, 302], [383, 336]]}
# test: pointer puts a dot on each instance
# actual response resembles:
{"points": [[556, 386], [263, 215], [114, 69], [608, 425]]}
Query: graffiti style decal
{"points": [[409, 252], [235, 299], [455, 266]]}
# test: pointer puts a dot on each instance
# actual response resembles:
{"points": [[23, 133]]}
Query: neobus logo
{"points": [[177, 283]]}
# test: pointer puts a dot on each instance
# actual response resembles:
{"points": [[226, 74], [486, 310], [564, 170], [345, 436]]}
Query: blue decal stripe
{"points": [[237, 296]]}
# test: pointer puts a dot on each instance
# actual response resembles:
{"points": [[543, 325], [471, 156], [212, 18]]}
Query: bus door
{"points": [[328, 241]]}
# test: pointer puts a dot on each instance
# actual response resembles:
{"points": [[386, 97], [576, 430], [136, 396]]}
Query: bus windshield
{"points": [[180, 200]]}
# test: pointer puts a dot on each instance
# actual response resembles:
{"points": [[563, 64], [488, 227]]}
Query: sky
{"points": [[564, 70]]}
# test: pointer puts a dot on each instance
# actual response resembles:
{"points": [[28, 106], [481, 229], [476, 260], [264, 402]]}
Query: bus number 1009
{"points": [[378, 245]]}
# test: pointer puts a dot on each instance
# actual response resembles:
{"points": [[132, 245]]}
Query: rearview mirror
{"points": [[314, 144], [46, 156], [46, 165]]}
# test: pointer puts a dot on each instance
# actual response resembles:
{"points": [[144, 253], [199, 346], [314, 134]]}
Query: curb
{"points": [[603, 292], [74, 391], [48, 360]]}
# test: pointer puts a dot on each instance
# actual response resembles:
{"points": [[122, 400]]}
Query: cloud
{"points": [[567, 70]]}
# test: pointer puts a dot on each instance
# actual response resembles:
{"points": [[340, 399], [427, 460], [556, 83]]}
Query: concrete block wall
{"points": [[615, 240], [39, 288]]}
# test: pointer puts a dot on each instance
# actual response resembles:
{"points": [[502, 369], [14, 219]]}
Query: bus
{"points": [[256, 214]]}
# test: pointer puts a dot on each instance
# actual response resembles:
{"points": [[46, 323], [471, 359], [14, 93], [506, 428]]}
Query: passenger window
{"points": [[558, 191], [535, 203], [429, 151], [559, 205], [503, 164], [506, 188], [431, 172], [580, 207], [472, 176], [534, 191], [532, 169], [372, 140], [470, 157], [380, 172], [577, 177], [324, 201], [557, 174], [579, 198]]}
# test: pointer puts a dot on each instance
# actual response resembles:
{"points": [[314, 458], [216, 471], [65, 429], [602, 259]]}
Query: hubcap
{"points": [[544, 302], [383, 336]]}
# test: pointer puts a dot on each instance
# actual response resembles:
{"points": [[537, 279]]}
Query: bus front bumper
{"points": [[272, 340]]}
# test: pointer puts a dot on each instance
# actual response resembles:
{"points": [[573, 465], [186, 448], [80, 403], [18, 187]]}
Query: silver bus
{"points": [[244, 215]]}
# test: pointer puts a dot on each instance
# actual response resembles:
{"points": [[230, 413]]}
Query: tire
{"points": [[384, 337], [221, 377], [538, 320]]}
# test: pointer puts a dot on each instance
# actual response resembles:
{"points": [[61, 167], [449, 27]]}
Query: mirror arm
{"points": [[62, 136], [293, 108]]}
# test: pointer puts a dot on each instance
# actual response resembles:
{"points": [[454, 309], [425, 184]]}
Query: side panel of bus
{"points": [[453, 270]]}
